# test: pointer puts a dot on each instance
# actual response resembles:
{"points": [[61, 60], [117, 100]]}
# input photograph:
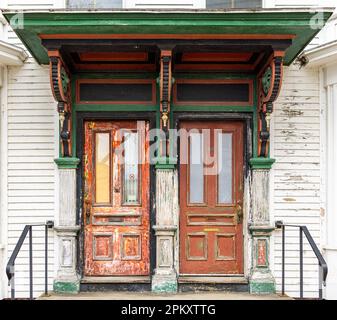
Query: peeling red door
{"points": [[211, 191], [116, 198]]}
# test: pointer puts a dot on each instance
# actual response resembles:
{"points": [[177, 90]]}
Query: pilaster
{"points": [[261, 279], [67, 280], [167, 210]]}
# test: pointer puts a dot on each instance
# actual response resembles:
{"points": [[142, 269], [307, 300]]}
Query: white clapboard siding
{"points": [[296, 175], [31, 151], [165, 4]]}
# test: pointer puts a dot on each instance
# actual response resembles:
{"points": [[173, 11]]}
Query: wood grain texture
{"points": [[212, 246]]}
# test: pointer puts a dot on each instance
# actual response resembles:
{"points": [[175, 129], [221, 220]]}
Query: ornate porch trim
{"points": [[165, 96], [60, 85], [269, 85]]}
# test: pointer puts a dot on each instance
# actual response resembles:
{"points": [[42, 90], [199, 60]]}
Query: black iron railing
{"points": [[10, 268], [323, 267]]}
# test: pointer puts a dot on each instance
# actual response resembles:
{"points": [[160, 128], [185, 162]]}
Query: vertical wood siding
{"points": [[296, 174], [32, 147]]}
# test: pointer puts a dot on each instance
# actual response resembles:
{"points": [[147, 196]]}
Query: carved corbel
{"points": [[165, 91], [269, 85], [60, 84]]}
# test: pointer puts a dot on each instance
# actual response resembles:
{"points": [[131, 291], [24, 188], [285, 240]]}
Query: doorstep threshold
{"points": [[226, 279], [117, 279]]}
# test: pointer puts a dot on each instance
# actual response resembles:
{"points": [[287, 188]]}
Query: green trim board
{"points": [[262, 287], [113, 107], [67, 163], [66, 287], [261, 163], [298, 22]]}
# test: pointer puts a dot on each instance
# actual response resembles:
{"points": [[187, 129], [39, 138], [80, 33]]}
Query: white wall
{"points": [[298, 189], [329, 173], [29, 146], [296, 174]]}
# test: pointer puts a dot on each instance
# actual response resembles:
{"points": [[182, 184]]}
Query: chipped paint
{"points": [[289, 199], [116, 235], [291, 112]]}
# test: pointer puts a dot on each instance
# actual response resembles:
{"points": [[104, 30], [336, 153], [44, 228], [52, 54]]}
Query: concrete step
{"points": [[155, 296]]}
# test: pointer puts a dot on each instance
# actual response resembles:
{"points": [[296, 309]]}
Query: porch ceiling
{"points": [[251, 28]]}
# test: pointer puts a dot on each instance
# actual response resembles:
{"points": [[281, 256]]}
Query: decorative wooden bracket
{"points": [[269, 85], [60, 84], [165, 92]]}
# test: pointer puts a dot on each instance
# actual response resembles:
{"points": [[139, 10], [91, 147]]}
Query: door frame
{"points": [[247, 119], [81, 117]]}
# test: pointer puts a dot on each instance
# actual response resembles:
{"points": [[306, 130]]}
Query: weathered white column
{"points": [[67, 280], [167, 211], [261, 280]]}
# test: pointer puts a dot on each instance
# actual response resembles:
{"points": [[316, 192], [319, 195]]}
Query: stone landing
{"points": [[155, 296]]}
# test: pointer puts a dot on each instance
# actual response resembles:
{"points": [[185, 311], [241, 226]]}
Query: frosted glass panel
{"points": [[196, 183], [102, 170], [225, 168], [131, 155]]}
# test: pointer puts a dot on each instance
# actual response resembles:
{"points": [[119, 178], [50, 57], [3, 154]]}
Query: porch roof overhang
{"points": [[295, 27], [323, 55], [11, 55]]}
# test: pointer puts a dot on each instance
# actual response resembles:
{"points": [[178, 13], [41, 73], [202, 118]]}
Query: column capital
{"points": [[261, 230], [261, 163], [72, 230], [67, 163]]}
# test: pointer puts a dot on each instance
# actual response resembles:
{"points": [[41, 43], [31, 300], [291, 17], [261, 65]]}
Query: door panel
{"points": [[211, 191], [116, 198]]}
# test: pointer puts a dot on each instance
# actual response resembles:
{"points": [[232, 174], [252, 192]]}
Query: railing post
{"points": [[320, 282], [12, 283], [31, 262], [283, 259], [46, 260], [301, 263]]}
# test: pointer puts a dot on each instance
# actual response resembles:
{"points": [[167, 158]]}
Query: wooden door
{"points": [[116, 198], [211, 191]]}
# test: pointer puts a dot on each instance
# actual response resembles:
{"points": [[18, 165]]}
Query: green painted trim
{"points": [[66, 287], [165, 166], [113, 107], [261, 163], [214, 108], [257, 287], [165, 286], [67, 163], [292, 21], [166, 163]]}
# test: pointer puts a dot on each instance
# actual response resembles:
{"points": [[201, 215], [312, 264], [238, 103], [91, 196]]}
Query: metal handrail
{"points": [[323, 267], [10, 268]]}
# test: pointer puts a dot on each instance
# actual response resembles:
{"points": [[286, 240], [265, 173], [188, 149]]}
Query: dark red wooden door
{"points": [[211, 191], [116, 198]]}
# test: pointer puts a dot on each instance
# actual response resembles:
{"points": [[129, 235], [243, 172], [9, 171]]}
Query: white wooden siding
{"points": [[165, 4], [31, 149], [296, 175]]}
